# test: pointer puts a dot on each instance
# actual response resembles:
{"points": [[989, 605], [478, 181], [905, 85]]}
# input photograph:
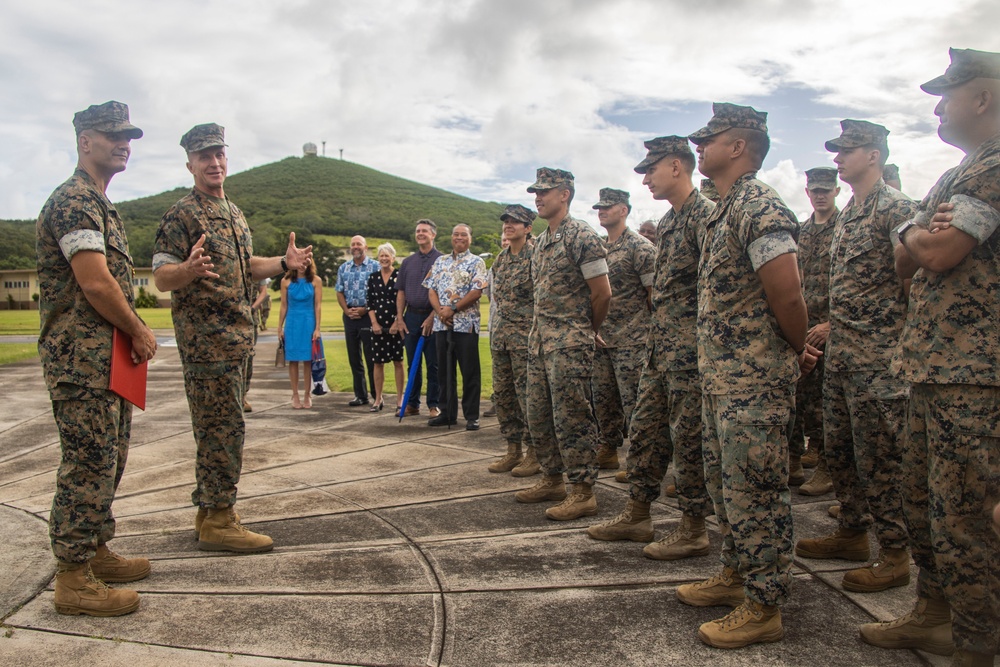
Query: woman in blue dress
{"points": [[298, 326]]}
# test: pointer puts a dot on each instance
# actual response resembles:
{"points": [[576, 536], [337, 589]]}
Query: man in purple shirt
{"points": [[414, 315]]}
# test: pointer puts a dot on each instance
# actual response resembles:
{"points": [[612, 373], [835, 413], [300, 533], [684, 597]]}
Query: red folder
{"points": [[128, 379]]}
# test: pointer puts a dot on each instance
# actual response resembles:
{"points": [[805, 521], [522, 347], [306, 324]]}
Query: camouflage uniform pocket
{"points": [[964, 474]]}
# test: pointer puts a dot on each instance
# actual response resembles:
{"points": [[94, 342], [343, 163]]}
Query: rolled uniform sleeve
{"points": [[764, 249], [974, 217]]}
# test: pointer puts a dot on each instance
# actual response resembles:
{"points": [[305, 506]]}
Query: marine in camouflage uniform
{"points": [[621, 345], [815, 240], [203, 254], [666, 423], [747, 349], [85, 290], [950, 352], [864, 403], [569, 271], [512, 295]]}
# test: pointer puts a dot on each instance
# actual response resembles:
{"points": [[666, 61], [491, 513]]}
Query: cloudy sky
{"points": [[472, 95]]}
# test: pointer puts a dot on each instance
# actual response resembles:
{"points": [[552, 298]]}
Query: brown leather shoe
{"points": [[412, 411]]}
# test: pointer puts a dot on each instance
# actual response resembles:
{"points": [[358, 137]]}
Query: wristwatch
{"points": [[903, 228], [284, 264]]}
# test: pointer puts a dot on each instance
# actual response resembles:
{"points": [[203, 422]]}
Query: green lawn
{"points": [[25, 322], [11, 352], [338, 370]]}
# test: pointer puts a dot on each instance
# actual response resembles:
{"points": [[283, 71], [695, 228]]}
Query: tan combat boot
{"points": [[199, 519], [795, 473], [723, 590], [222, 531], [528, 465], [607, 458], [750, 623], [927, 627], [845, 544], [890, 569], [834, 511], [109, 566], [670, 490], [621, 476], [820, 483], [549, 487], [688, 539], [632, 524], [79, 592], [811, 458], [510, 461], [581, 502]]}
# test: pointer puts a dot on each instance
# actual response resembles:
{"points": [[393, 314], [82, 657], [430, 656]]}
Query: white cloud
{"points": [[468, 95]]}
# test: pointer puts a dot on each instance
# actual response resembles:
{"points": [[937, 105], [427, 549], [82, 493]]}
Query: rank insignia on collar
{"points": [[557, 237]]}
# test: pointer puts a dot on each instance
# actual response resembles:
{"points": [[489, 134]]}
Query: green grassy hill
{"points": [[316, 197]]}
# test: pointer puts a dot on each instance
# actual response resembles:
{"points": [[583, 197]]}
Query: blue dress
{"points": [[300, 321]]}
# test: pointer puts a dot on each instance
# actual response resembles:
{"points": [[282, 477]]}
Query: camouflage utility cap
{"points": [[547, 178], [108, 117], [200, 137], [518, 213], [966, 65], [856, 133], [821, 178], [661, 147], [730, 116], [890, 172], [709, 190], [610, 197]]}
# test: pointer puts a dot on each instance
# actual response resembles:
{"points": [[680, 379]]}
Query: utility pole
{"points": [[341, 153], [324, 149]]}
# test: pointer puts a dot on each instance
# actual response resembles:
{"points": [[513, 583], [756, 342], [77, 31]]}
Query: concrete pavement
{"points": [[394, 546]]}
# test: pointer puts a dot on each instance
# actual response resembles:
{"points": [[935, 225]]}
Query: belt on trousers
{"points": [[419, 311]]}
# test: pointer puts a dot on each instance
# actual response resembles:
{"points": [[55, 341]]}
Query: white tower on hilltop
{"points": [[309, 149]]}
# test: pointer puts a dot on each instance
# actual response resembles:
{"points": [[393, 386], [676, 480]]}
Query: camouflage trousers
{"points": [[863, 417], [560, 418], [510, 393], [666, 425], [93, 436], [614, 385], [808, 413], [746, 471], [951, 464], [215, 397]]}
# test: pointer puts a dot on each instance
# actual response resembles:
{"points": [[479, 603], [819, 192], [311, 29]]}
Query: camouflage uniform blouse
{"points": [[630, 270], [75, 341], [513, 294], [740, 346], [814, 265], [867, 306], [212, 316], [560, 267], [679, 236], [952, 334]]}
